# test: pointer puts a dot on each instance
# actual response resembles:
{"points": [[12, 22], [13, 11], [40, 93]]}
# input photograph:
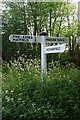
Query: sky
{"points": [[75, 0], [41, 0]]}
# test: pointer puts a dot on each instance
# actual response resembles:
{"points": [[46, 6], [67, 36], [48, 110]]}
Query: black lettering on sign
{"points": [[51, 39], [21, 40], [35, 38], [60, 40], [29, 37], [16, 36], [53, 49]]}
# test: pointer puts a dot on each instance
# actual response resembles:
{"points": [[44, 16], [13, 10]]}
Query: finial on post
{"points": [[43, 33]]}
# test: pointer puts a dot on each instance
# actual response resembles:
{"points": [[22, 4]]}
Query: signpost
{"points": [[25, 38], [55, 49], [56, 40], [42, 39]]}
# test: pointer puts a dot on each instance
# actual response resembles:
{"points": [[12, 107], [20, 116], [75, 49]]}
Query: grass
{"points": [[26, 97]]}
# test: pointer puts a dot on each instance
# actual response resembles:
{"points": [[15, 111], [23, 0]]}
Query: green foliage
{"points": [[26, 97], [56, 18]]}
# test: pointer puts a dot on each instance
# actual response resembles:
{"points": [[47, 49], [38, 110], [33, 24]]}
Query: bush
{"points": [[26, 97]]}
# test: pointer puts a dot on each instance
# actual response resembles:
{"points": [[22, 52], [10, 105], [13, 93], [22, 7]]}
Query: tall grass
{"points": [[26, 97]]}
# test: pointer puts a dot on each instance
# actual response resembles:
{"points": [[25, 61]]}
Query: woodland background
{"points": [[56, 18], [25, 95]]}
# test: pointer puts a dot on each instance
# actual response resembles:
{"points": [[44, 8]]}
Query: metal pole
{"points": [[43, 59]]}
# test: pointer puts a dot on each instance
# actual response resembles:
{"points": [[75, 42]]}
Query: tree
{"points": [[57, 18]]}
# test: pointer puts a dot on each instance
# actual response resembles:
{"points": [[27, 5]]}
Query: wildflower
{"points": [[23, 102], [19, 99], [3, 108], [21, 116], [12, 99], [7, 98], [21, 69], [6, 91], [12, 91]]}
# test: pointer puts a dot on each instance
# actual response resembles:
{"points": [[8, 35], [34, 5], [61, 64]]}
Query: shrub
{"points": [[26, 97]]}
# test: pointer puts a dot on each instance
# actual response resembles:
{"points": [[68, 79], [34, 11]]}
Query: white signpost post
{"points": [[44, 50]]}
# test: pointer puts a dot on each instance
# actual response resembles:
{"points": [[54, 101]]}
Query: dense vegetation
{"points": [[26, 97], [56, 18]]}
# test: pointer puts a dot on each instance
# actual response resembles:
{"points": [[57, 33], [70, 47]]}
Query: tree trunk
{"points": [[25, 24], [50, 22], [59, 28]]}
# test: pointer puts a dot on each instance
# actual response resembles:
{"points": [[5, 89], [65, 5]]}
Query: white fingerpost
{"points": [[42, 39], [43, 56]]}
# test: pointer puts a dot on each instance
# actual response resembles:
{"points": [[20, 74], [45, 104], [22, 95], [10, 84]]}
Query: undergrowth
{"points": [[26, 97]]}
